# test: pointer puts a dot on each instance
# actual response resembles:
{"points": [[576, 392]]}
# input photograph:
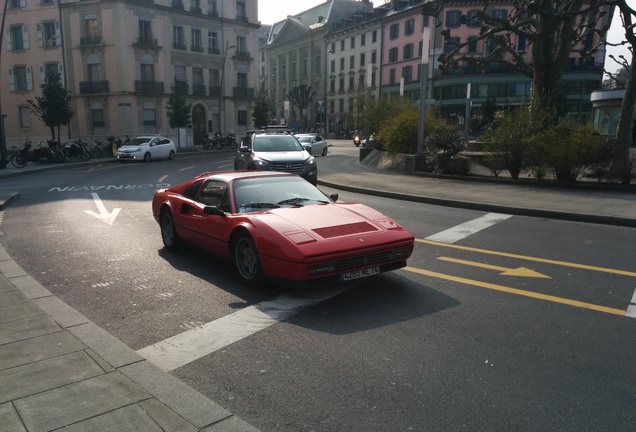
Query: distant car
{"points": [[316, 141], [278, 227], [147, 148], [369, 142], [276, 150]]}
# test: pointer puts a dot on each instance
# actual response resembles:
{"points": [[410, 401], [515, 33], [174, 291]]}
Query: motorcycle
{"points": [[26, 155], [78, 149], [357, 140], [220, 142], [209, 142]]}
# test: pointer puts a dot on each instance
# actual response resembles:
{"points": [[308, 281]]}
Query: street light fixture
{"points": [[222, 106]]}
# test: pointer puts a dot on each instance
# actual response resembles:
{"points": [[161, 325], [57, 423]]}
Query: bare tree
{"points": [[301, 97], [536, 38]]}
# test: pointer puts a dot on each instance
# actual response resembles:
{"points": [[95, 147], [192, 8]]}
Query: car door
{"points": [[319, 145], [211, 231]]}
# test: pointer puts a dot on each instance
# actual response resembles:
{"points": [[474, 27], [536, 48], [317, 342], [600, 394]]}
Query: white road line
{"points": [[469, 228], [631, 309], [191, 345]]}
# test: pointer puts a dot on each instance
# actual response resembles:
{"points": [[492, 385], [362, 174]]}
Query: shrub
{"points": [[570, 148], [442, 145], [508, 142], [399, 134]]}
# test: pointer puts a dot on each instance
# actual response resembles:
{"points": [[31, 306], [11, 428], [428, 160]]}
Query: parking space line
{"points": [[193, 344], [519, 292], [469, 228]]}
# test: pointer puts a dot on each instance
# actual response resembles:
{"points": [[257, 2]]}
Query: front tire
{"points": [[147, 157], [19, 161], [169, 235], [246, 262]]}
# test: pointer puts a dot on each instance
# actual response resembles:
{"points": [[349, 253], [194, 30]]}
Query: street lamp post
{"points": [[222, 105], [426, 37]]}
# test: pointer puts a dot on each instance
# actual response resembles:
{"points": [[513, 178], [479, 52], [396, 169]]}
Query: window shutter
{"points": [[25, 37], [11, 82], [22, 3], [8, 39], [60, 70], [29, 77], [42, 74], [58, 35], [38, 31]]}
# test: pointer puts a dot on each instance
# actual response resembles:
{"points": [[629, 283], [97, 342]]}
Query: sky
{"points": [[271, 11]]}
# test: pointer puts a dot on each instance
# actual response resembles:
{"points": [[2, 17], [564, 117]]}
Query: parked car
{"points": [[278, 227], [276, 150], [147, 148], [316, 141]]}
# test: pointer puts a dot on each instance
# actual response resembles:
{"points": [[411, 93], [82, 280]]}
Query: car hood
{"points": [[131, 148], [282, 156], [328, 221]]}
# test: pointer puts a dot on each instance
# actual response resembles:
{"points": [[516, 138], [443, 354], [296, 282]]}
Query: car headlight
{"points": [[137, 150], [261, 163], [311, 161]]}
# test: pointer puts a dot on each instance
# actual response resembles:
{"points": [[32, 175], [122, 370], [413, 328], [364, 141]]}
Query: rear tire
{"points": [[169, 235], [324, 151], [245, 260], [171, 155], [19, 161]]}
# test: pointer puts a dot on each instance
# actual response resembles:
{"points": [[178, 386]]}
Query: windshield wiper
{"points": [[259, 205], [299, 201]]}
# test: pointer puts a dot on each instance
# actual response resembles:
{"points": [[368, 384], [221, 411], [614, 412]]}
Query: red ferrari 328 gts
{"points": [[279, 227]]}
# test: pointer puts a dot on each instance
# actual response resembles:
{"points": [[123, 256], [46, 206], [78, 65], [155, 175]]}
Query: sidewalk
{"points": [[58, 369]]}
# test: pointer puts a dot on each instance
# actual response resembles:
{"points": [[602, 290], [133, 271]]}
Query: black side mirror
{"points": [[333, 197], [213, 211]]}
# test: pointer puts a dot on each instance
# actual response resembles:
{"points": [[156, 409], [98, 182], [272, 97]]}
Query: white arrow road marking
{"points": [[103, 214]]}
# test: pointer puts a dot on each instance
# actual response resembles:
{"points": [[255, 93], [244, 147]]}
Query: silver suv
{"points": [[276, 150]]}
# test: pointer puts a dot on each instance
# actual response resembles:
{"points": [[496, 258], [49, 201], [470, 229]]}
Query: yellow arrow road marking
{"points": [[521, 271], [529, 258], [516, 291]]}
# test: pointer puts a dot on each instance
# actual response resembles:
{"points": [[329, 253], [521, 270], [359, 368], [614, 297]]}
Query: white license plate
{"points": [[357, 274]]}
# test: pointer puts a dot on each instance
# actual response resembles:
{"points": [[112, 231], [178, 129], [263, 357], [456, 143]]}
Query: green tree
{"points": [[301, 97], [177, 110], [54, 106]]}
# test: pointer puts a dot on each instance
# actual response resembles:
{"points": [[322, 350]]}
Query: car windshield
{"points": [[138, 141], [276, 143], [255, 194]]}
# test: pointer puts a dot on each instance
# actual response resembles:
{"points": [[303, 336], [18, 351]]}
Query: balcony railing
{"points": [[197, 48], [215, 90], [180, 46], [243, 55], [243, 92], [92, 87], [177, 4], [242, 18], [149, 87], [147, 42], [91, 40], [214, 50], [195, 9], [213, 13], [198, 90]]}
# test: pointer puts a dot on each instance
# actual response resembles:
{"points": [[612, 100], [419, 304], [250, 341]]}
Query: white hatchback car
{"points": [[147, 148], [316, 141]]}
